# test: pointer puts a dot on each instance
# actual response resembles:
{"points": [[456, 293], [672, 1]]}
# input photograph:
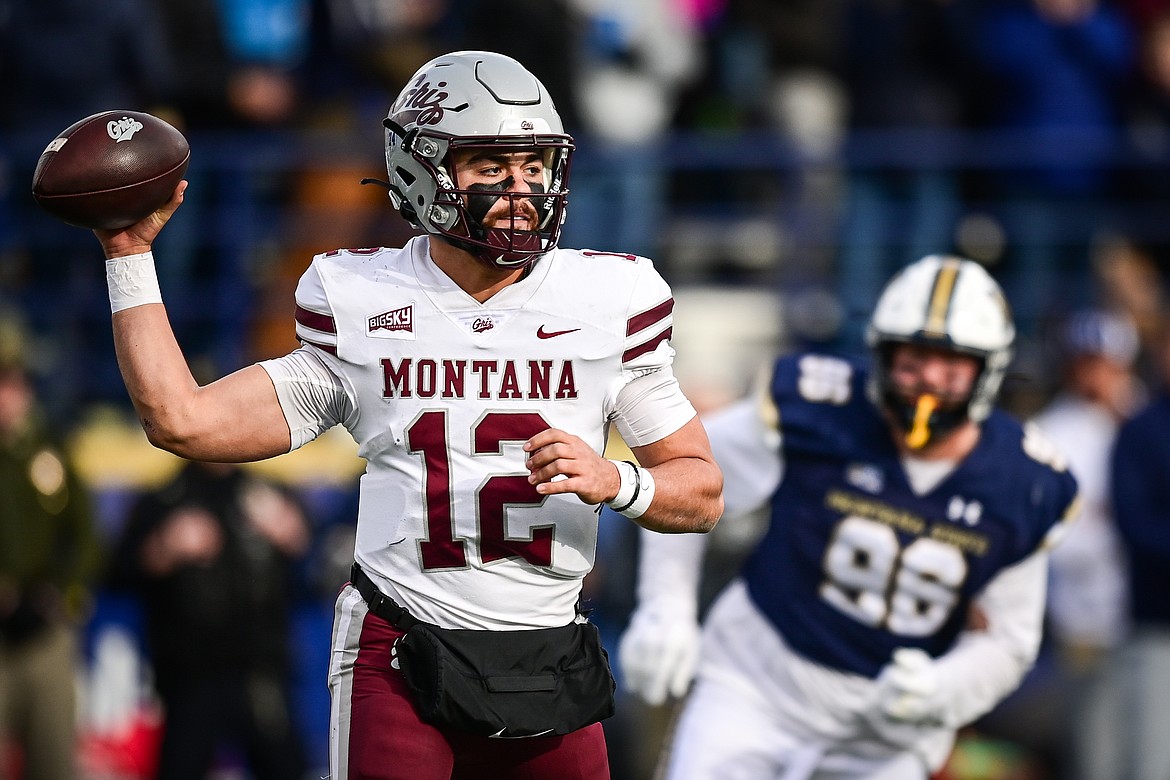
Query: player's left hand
{"points": [[659, 651], [909, 689], [559, 462], [909, 701]]}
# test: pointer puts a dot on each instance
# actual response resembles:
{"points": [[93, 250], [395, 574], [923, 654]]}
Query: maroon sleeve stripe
{"points": [[331, 349], [647, 318], [311, 319], [649, 346]]}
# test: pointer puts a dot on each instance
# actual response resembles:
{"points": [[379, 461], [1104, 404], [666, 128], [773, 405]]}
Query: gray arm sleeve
{"points": [[311, 395]]}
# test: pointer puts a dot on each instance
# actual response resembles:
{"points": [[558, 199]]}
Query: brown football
{"points": [[110, 170]]}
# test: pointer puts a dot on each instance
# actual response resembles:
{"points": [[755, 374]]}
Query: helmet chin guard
{"points": [[482, 101], [953, 304]]}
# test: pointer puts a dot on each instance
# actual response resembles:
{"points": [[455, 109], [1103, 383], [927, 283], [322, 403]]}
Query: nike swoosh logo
{"points": [[541, 333]]}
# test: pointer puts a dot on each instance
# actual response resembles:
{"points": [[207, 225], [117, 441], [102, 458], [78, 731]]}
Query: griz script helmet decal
{"points": [[422, 104]]}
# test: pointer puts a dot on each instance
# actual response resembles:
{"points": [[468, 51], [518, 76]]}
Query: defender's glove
{"points": [[910, 700], [659, 650]]}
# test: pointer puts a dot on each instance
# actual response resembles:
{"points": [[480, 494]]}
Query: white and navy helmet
{"points": [[475, 99], [950, 303]]}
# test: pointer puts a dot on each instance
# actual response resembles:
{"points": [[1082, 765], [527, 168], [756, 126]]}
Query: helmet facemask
{"points": [[506, 244], [927, 417], [478, 103]]}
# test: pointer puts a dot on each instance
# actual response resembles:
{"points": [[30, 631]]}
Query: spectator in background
{"points": [[772, 72], [60, 61], [1051, 79], [1146, 186], [631, 61], [234, 61], [237, 87], [761, 49], [1067, 704], [1141, 501], [211, 554], [1087, 603], [49, 552], [383, 44], [904, 84]]}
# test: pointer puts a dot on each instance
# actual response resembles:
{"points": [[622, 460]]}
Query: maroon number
{"points": [[441, 550]]}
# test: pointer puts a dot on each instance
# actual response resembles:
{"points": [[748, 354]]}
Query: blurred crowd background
{"points": [[777, 158]]}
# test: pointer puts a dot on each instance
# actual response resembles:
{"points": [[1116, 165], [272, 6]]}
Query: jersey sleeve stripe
{"points": [[647, 346], [649, 317], [330, 348], [315, 320]]}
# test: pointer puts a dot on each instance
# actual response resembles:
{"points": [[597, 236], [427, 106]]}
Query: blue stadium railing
{"points": [[52, 275]]}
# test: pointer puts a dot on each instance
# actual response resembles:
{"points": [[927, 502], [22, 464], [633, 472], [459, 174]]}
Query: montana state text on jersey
{"points": [[854, 564]]}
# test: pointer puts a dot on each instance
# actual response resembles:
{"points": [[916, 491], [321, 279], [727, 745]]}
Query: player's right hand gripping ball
{"points": [[111, 169]]}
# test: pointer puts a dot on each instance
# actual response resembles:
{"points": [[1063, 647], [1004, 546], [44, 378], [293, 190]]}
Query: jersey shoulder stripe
{"points": [[650, 317], [316, 329], [651, 327], [315, 320], [637, 288], [314, 316]]}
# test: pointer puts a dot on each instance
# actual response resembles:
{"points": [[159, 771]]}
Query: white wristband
{"points": [[642, 497], [636, 492], [628, 473], [132, 281]]}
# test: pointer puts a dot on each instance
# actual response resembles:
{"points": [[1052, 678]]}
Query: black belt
{"points": [[380, 604]]}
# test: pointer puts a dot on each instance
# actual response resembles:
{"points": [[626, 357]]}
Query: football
{"points": [[110, 170]]}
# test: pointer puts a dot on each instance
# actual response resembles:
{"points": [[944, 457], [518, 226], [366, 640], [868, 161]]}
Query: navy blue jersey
{"points": [[854, 563], [1141, 499]]}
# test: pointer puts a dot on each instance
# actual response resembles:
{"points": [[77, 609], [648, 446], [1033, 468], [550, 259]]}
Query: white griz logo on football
{"points": [[122, 129]]}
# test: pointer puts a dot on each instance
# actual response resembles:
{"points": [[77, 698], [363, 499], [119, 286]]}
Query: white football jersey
{"points": [[442, 393]]}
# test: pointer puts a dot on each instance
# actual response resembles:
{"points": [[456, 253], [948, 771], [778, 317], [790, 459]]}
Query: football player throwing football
{"points": [[478, 368]]}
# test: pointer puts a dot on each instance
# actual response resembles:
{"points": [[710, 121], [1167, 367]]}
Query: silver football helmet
{"points": [[476, 100], [951, 303]]}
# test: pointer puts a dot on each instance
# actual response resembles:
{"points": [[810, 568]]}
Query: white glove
{"points": [[659, 650], [909, 689]]}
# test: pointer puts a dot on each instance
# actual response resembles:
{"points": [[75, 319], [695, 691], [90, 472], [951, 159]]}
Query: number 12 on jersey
{"points": [[428, 435]]}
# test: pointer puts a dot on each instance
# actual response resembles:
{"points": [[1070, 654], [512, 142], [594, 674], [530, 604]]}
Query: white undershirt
{"points": [[925, 475]]}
